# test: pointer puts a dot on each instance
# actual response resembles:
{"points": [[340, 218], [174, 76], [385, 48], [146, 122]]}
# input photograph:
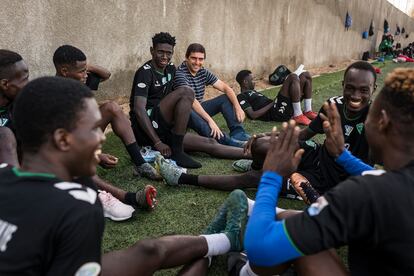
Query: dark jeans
{"points": [[212, 107]]}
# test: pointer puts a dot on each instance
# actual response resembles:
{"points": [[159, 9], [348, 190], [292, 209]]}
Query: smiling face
{"points": [[161, 55], [195, 62], [86, 140], [358, 87]]}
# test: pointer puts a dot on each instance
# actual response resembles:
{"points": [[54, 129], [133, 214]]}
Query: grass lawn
{"points": [[188, 209]]}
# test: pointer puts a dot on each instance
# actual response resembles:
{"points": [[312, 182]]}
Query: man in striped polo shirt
{"points": [[192, 73]]}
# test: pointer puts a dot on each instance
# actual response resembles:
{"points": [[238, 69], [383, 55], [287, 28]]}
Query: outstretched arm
{"points": [[258, 113]]}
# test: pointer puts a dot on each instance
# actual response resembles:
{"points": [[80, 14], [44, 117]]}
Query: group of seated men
{"points": [[52, 135]]}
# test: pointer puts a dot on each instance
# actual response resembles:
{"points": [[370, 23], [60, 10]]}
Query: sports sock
{"points": [[218, 244], [307, 105], [130, 199], [133, 151], [251, 202], [297, 110], [179, 156], [247, 271], [189, 179]]}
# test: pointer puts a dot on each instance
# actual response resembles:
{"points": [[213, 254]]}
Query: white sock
{"points": [[307, 104], [299, 70], [218, 244], [247, 271], [251, 202], [297, 109]]}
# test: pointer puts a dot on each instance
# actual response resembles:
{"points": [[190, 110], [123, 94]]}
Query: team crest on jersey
{"points": [[360, 127], [169, 77], [164, 80], [348, 130], [3, 121], [147, 66], [311, 143], [89, 269], [317, 206]]}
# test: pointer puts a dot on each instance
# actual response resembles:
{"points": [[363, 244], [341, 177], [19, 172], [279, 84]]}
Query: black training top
{"points": [[48, 227], [372, 214], [353, 129], [151, 84], [253, 99], [5, 117]]}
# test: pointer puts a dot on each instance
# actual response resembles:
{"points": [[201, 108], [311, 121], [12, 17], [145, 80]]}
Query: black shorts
{"points": [[281, 111], [161, 127], [319, 167]]}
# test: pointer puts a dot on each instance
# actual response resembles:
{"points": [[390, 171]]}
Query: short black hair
{"points": [[362, 65], [195, 48], [162, 37], [242, 75], [67, 54], [7, 60], [397, 98], [44, 105]]}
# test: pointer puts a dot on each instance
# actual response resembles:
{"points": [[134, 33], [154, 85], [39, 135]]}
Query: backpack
{"points": [[365, 56], [279, 75], [348, 21], [365, 35], [371, 29]]}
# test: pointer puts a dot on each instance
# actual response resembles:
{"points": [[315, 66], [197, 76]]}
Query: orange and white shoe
{"points": [[311, 115], [302, 120], [304, 188]]}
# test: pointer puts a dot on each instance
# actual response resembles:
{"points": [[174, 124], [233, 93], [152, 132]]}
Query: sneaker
{"points": [[170, 172], [311, 115], [235, 262], [299, 70], [236, 219], [242, 165], [218, 224], [147, 198], [147, 171], [240, 136], [148, 154], [304, 188], [113, 208], [302, 120]]}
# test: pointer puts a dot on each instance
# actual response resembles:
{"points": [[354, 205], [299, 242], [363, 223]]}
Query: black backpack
{"points": [[279, 75]]}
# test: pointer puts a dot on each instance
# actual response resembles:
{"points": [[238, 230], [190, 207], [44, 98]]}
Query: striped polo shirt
{"points": [[198, 82]]}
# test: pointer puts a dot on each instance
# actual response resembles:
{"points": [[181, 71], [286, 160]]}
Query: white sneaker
{"points": [[299, 70], [149, 154], [113, 208]]}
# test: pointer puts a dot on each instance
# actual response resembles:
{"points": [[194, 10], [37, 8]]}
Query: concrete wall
{"points": [[238, 34]]}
